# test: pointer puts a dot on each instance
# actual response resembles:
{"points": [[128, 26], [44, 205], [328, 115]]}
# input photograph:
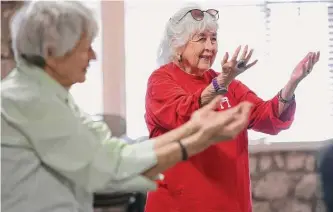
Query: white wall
{"points": [[89, 95]]}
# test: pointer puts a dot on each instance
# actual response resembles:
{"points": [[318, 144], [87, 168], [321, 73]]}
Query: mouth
{"points": [[86, 69], [206, 58]]}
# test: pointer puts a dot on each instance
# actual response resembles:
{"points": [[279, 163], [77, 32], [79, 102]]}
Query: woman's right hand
{"points": [[216, 125], [230, 68]]}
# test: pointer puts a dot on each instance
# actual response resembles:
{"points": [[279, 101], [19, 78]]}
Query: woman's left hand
{"points": [[304, 68]]}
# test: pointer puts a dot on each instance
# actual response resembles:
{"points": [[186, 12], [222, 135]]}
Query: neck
{"points": [[67, 85], [188, 69]]}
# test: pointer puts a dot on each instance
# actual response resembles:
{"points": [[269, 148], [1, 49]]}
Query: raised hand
{"points": [[217, 126], [226, 131], [232, 68], [305, 66]]}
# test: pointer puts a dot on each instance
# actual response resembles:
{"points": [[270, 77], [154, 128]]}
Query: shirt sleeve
{"points": [[167, 103], [265, 116], [80, 149]]}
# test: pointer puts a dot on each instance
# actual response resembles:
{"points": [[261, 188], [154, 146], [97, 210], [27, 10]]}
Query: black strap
{"points": [[285, 101], [184, 152]]}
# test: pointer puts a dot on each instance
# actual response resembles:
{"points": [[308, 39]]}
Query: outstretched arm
{"points": [[266, 116]]}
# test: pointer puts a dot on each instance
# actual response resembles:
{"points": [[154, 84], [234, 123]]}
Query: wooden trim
{"points": [[113, 65]]}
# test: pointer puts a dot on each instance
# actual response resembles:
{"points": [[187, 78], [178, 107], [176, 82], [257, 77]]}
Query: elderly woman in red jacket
{"points": [[216, 180]]}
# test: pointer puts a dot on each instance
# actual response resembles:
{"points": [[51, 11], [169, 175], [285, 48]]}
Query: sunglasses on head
{"points": [[199, 15]]}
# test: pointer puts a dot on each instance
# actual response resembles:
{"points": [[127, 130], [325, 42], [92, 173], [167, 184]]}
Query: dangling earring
{"points": [[180, 58]]}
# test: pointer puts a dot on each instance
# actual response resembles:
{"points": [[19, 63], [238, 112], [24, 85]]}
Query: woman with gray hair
{"points": [[217, 179], [53, 155]]}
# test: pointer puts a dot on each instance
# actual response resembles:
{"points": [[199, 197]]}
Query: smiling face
{"points": [[200, 52], [72, 67]]}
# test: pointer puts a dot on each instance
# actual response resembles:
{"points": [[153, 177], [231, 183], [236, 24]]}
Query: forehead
{"points": [[83, 42], [205, 33], [81, 45]]}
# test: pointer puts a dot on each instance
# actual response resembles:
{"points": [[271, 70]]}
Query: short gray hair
{"points": [[41, 26], [178, 34]]}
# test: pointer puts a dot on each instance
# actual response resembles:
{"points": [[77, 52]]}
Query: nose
{"points": [[92, 54], [209, 45]]}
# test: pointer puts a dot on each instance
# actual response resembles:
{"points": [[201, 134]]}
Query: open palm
{"points": [[305, 66], [219, 125]]}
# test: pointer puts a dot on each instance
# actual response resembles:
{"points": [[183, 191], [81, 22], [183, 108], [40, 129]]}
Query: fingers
{"points": [[201, 115], [304, 68], [312, 59], [306, 58], [229, 115], [304, 64], [225, 59], [235, 127], [227, 124], [245, 107], [213, 104], [240, 120], [235, 55], [309, 63], [248, 57], [221, 119], [233, 111], [251, 64], [317, 57], [243, 57]]}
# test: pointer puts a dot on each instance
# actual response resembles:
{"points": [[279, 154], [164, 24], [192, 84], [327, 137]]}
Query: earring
{"points": [[180, 58]]}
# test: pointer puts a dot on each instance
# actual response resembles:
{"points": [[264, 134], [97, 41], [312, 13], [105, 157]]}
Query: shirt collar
{"points": [[45, 80]]}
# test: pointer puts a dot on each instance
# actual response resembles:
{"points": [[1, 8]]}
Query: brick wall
{"points": [[285, 181]]}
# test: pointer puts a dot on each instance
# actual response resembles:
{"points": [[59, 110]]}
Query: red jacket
{"points": [[216, 180]]}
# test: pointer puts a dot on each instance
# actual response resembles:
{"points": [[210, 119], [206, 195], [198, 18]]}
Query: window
{"points": [[281, 34], [89, 95], [144, 26], [294, 29]]}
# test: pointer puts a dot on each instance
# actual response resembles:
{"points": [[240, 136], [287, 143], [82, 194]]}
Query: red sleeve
{"points": [[167, 104], [264, 116]]}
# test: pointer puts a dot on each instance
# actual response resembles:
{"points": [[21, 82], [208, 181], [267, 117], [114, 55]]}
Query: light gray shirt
{"points": [[54, 156]]}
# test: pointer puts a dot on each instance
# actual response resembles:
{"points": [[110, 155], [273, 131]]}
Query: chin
{"points": [[204, 67], [82, 79]]}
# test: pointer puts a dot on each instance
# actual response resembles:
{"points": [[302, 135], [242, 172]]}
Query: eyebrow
{"points": [[203, 34]]}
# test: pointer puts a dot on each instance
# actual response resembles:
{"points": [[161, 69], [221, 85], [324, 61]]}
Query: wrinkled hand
{"points": [[231, 69], [304, 68], [217, 125]]}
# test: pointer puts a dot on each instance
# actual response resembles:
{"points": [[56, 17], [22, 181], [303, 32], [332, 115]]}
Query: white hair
{"points": [[177, 34], [50, 28]]}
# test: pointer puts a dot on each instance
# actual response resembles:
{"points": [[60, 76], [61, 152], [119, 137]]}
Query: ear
{"points": [[50, 59], [51, 62], [179, 51]]}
